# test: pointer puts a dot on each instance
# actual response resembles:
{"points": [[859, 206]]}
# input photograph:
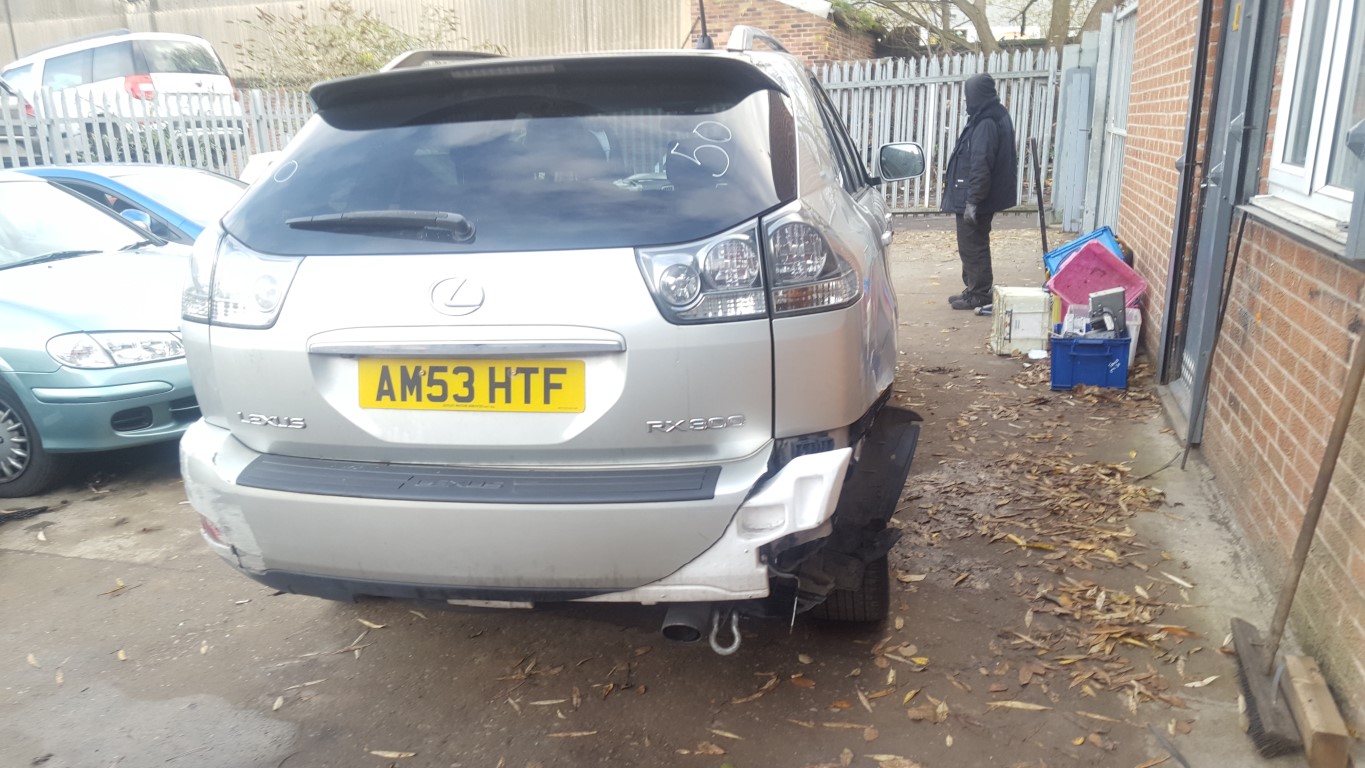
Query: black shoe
{"points": [[968, 302], [956, 297]]}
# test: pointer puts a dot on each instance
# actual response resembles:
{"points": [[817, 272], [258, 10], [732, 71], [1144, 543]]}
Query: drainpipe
{"points": [[1187, 164]]}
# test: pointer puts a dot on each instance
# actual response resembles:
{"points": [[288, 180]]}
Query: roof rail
{"points": [[743, 36], [81, 39], [432, 58]]}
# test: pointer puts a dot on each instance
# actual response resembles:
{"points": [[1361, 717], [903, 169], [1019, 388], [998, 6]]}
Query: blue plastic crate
{"points": [[1053, 259], [1099, 362]]}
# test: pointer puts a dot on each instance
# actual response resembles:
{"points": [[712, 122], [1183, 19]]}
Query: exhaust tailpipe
{"points": [[686, 622]]}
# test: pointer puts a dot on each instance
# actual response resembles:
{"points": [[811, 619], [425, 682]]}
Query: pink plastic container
{"points": [[1093, 268]]}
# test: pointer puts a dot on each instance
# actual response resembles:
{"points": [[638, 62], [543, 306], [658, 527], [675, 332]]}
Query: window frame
{"points": [[1307, 185]]}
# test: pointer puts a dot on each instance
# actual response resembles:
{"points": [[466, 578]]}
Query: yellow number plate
{"points": [[525, 386]]}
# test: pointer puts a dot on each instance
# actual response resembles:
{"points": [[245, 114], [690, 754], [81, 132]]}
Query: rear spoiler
{"points": [[726, 74]]}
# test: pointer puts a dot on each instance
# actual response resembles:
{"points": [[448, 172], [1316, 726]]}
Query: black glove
{"points": [[969, 213]]}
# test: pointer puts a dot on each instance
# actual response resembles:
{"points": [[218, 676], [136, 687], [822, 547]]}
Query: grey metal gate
{"points": [[1073, 138], [1109, 121]]}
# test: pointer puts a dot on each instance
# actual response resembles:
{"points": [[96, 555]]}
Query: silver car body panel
{"points": [[788, 376]]}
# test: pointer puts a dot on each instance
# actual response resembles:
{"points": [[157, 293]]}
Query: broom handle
{"points": [[1350, 392]]}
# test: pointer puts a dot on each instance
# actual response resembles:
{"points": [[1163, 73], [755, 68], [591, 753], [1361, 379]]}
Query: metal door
{"points": [[1224, 188]]}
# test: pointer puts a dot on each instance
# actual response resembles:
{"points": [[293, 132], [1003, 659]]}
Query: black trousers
{"points": [[974, 248]]}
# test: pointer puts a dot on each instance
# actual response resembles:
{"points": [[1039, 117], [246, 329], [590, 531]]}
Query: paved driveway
{"points": [[1036, 617]]}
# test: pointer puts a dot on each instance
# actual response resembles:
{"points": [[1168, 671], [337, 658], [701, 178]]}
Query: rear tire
{"points": [[25, 468], [869, 603]]}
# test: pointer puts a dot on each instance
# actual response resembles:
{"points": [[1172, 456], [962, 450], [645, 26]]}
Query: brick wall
{"points": [[810, 37], [1293, 319]]}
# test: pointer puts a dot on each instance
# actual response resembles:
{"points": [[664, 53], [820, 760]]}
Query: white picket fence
{"points": [[881, 100], [922, 100], [214, 132]]}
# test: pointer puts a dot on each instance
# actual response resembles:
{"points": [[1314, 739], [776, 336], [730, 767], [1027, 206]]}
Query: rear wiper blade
{"points": [[54, 256], [461, 228]]}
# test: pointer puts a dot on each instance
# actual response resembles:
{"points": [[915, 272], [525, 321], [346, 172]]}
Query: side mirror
{"points": [[140, 218], [903, 160]]}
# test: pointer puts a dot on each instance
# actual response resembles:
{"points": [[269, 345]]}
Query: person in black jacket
{"points": [[982, 179]]}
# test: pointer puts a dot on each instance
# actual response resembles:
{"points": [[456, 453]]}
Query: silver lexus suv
{"points": [[600, 328]]}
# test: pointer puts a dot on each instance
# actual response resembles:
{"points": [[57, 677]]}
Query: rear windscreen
{"points": [[534, 166]]}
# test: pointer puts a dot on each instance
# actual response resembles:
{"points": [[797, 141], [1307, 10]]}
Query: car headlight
{"points": [[112, 349]]}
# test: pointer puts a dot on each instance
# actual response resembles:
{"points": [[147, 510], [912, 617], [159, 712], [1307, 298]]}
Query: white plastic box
{"points": [[1022, 319], [1078, 320]]}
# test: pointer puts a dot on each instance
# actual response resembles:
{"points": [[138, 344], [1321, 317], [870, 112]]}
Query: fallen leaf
{"points": [[1014, 704], [725, 734], [59, 677], [1177, 580], [121, 655], [547, 702], [846, 757], [1201, 683], [577, 698], [203, 648], [840, 704], [922, 661], [912, 693], [900, 623], [862, 699], [948, 740], [33, 661], [870, 734], [371, 624], [909, 578], [1079, 740], [642, 650], [999, 688], [707, 748], [801, 681], [279, 702], [804, 659], [391, 755], [418, 614], [571, 734], [768, 686]]}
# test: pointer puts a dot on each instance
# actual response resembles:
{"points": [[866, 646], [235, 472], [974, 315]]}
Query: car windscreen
{"points": [[535, 166], [38, 220], [177, 56], [199, 196]]}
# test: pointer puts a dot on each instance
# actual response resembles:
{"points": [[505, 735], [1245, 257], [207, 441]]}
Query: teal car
{"points": [[90, 351]]}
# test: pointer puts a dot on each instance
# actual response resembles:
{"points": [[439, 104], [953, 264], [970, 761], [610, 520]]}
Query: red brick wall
{"points": [[809, 37], [1294, 318], [1295, 315]]}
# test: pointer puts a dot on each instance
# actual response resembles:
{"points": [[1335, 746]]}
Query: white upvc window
{"points": [[1322, 94]]}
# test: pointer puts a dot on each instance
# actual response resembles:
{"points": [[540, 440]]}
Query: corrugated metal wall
{"points": [[521, 27]]}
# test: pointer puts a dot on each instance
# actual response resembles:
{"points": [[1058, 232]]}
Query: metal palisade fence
{"points": [[922, 100], [217, 132]]}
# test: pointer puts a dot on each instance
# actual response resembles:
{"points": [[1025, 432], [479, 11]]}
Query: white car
{"points": [[124, 81], [442, 353]]}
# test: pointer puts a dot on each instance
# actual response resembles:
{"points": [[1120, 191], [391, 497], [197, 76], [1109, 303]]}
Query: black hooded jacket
{"points": [[983, 168]]}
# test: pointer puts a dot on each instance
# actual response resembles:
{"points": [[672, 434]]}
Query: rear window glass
{"points": [[182, 57], [537, 166]]}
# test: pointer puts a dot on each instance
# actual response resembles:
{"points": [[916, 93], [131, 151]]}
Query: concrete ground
{"points": [[1062, 598]]}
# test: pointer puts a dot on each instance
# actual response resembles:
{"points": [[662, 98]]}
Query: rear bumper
{"points": [[637, 550]]}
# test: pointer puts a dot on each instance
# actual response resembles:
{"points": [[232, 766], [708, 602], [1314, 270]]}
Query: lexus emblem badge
{"points": [[457, 296]]}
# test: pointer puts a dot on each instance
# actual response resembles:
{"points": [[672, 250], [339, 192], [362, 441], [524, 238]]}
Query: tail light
{"points": [[28, 110], [738, 275], [231, 285], [139, 87], [715, 280], [808, 274]]}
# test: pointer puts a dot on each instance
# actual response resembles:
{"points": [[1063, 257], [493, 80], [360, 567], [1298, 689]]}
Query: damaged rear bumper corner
{"points": [[798, 501]]}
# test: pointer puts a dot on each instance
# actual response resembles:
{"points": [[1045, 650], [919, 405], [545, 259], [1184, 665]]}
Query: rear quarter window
{"points": [[68, 70], [179, 57], [540, 166]]}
